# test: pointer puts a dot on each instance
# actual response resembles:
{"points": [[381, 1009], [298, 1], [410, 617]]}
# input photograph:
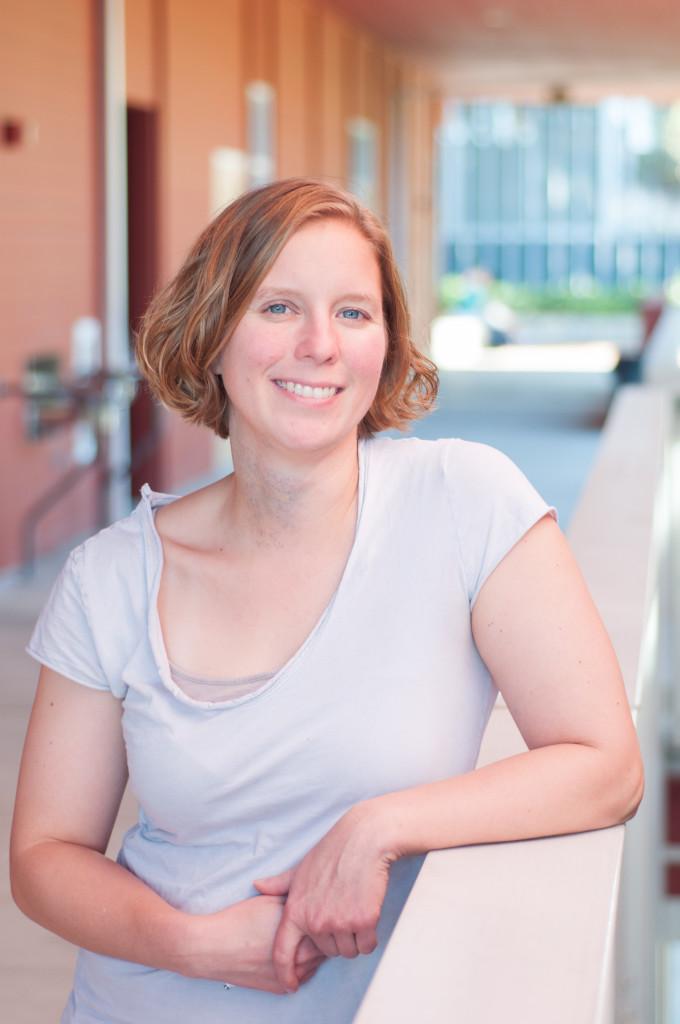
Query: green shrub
{"points": [[585, 296]]}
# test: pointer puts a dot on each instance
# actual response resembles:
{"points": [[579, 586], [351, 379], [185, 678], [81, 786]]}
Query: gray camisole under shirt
{"points": [[204, 688]]}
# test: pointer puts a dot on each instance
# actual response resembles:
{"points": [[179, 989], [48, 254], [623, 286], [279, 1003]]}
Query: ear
{"points": [[216, 363]]}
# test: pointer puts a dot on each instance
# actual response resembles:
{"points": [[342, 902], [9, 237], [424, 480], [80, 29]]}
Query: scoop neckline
{"points": [[155, 499]]}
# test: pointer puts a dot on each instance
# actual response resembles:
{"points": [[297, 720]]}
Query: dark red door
{"points": [[142, 131]]}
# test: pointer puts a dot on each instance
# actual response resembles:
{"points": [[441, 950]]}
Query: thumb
{"points": [[275, 885]]}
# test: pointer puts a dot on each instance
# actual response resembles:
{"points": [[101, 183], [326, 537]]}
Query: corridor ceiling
{"points": [[547, 47]]}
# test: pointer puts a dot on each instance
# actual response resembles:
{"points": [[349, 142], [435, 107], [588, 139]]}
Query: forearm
{"points": [[93, 902], [551, 790]]}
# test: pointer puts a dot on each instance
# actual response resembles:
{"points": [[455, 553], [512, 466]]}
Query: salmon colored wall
{"points": [[333, 134], [259, 35], [292, 91], [49, 262], [142, 45], [313, 45], [194, 59], [191, 61], [201, 109]]}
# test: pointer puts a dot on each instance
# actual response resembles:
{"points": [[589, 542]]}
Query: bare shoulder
{"points": [[189, 522]]}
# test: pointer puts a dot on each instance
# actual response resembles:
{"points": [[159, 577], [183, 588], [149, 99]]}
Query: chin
{"points": [[316, 440]]}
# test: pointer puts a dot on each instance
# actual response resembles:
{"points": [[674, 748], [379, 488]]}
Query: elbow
{"points": [[22, 880], [629, 788], [636, 796], [17, 882]]}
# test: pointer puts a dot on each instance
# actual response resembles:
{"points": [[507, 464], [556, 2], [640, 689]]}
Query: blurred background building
{"points": [[562, 194], [526, 159]]}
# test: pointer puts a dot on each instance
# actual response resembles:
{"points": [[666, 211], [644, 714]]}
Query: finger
{"points": [[310, 970], [366, 940], [307, 951], [286, 942], [327, 944], [304, 965], [346, 944], [274, 885]]}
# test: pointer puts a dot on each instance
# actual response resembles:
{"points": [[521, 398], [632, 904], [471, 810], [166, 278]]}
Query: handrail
{"points": [[50, 404], [525, 932]]}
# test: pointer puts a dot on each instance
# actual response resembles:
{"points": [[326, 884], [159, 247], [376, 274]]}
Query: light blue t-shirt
{"points": [[388, 691]]}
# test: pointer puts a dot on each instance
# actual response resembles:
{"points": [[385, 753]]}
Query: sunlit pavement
{"points": [[35, 966], [547, 423]]}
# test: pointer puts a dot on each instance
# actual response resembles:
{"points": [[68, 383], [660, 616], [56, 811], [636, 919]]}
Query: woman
{"points": [[296, 664]]}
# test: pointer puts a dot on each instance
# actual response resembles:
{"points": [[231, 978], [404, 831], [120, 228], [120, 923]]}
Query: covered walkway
{"points": [[219, 95]]}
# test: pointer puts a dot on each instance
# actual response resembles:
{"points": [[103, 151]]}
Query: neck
{"points": [[282, 498]]}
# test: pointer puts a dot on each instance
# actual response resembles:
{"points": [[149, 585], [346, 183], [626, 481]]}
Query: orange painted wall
{"points": [[189, 60], [49, 254], [334, 105], [292, 91], [143, 47], [193, 60], [201, 110]]}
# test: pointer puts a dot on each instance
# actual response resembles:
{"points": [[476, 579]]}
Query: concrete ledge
{"points": [[495, 933], [524, 932], [660, 366]]}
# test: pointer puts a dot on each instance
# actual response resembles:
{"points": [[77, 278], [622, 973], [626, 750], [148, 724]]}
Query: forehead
{"points": [[328, 247]]}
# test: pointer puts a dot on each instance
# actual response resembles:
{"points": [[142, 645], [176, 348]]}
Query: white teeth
{"points": [[306, 390]]}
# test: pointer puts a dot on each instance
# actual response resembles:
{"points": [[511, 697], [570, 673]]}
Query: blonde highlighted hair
{"points": [[190, 321]]}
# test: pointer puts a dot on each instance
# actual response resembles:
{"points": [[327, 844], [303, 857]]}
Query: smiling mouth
{"points": [[307, 390]]}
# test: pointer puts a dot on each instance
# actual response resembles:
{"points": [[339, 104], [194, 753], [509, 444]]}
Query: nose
{"points": [[317, 339]]}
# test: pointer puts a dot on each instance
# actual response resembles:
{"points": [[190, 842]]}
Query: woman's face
{"points": [[303, 365]]}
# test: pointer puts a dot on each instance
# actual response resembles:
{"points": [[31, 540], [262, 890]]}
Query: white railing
{"points": [[559, 930]]}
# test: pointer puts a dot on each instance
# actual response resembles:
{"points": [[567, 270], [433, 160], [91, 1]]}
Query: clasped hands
{"points": [[333, 897]]}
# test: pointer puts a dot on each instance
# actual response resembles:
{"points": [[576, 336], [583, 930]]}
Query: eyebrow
{"points": [[363, 297]]}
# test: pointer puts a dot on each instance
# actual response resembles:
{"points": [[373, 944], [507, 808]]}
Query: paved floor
{"points": [[548, 426], [35, 966]]}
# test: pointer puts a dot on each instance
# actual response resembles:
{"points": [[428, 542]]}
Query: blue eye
{"points": [[276, 307], [352, 314]]}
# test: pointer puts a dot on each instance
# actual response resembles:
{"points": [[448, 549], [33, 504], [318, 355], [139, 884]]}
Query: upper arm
{"points": [[542, 639], [73, 769]]}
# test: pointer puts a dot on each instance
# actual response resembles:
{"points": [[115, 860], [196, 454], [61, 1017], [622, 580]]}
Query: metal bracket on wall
{"points": [[50, 403]]}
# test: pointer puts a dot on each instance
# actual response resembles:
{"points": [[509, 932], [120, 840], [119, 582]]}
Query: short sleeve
{"points": [[62, 639], [493, 504]]}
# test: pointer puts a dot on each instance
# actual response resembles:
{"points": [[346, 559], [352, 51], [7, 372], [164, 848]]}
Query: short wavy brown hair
{"points": [[189, 322]]}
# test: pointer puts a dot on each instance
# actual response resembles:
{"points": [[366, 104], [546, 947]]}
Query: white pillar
{"points": [[116, 319]]}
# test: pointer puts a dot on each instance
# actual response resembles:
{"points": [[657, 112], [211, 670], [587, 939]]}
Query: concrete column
{"points": [[115, 297]]}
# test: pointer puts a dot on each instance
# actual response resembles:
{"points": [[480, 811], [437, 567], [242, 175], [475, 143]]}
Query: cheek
{"points": [[369, 360], [266, 349], [252, 352]]}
